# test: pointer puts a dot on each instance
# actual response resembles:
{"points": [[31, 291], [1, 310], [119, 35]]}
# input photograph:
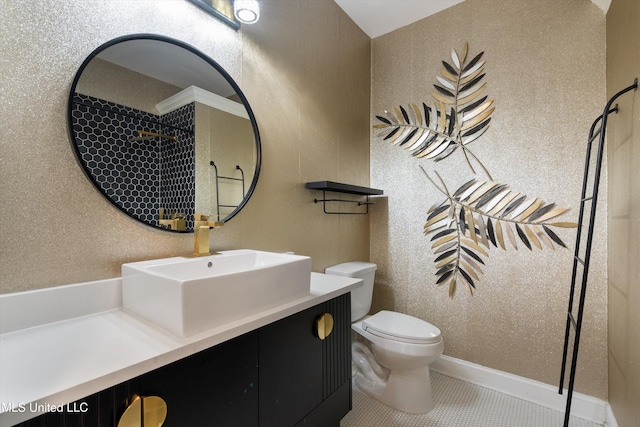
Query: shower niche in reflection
{"points": [[163, 132]]}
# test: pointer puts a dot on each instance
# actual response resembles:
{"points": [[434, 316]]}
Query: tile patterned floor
{"points": [[458, 404]]}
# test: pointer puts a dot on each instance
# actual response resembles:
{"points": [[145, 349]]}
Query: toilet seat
{"points": [[401, 327]]}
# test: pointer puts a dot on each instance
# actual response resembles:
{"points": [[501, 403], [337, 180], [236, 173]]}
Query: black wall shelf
{"points": [[338, 187]]}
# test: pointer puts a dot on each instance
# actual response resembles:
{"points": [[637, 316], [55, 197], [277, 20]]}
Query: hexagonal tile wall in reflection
{"points": [[139, 176]]}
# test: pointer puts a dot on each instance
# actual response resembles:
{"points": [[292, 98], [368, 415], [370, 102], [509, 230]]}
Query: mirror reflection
{"points": [[163, 132]]}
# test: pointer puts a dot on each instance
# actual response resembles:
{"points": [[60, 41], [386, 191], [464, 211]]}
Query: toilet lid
{"points": [[401, 327]]}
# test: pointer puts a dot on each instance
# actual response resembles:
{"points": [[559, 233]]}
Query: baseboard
{"points": [[582, 406], [611, 418]]}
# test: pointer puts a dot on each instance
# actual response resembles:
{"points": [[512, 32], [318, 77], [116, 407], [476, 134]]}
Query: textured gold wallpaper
{"points": [[623, 143], [546, 71], [313, 118]]}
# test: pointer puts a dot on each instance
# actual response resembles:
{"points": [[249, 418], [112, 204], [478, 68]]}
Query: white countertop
{"points": [[59, 362]]}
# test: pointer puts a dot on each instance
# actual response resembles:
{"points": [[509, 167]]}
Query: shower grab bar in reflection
{"points": [[573, 320], [143, 134]]}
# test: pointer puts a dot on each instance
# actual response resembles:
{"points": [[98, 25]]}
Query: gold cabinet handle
{"points": [[324, 325], [149, 411]]}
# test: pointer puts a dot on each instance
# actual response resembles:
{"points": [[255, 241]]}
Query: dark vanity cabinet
{"points": [[280, 375]]}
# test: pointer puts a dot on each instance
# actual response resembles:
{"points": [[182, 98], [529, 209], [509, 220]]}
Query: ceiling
{"points": [[167, 62], [378, 17]]}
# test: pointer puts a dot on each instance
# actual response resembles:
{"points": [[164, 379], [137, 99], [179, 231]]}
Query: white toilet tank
{"points": [[361, 297]]}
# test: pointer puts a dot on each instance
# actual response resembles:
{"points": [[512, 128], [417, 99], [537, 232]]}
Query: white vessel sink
{"points": [[191, 295]]}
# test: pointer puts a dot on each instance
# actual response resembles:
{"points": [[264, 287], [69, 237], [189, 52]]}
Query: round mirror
{"points": [[163, 132]]}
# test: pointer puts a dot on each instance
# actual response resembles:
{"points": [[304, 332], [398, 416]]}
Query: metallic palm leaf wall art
{"points": [[480, 214], [457, 117]]}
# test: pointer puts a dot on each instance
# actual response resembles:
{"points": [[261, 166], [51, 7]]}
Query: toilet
{"points": [[393, 353]]}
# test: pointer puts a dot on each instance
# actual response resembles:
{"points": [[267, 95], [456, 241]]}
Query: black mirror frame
{"points": [[215, 65]]}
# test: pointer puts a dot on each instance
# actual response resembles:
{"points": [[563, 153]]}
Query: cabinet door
{"points": [[337, 346], [336, 368], [305, 380], [290, 369], [216, 387]]}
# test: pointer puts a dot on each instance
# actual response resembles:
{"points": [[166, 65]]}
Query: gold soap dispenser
{"points": [[201, 227]]}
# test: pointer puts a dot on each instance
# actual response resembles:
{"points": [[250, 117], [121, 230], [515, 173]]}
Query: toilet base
{"points": [[408, 390]]}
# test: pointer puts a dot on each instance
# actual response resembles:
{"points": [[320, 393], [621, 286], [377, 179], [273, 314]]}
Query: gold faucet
{"points": [[201, 227]]}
